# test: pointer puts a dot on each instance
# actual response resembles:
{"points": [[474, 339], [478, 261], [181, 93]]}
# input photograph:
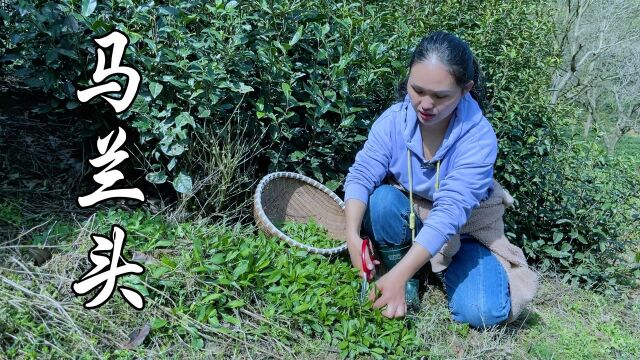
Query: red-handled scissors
{"points": [[367, 273]]}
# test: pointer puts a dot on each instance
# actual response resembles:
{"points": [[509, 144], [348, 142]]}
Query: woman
{"points": [[439, 135]]}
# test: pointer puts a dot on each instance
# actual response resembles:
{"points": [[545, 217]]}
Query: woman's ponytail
{"points": [[479, 89]]}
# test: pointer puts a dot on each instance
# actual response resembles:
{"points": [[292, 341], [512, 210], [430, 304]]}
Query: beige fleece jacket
{"points": [[486, 225]]}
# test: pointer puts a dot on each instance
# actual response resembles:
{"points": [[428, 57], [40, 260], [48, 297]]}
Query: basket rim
{"points": [[265, 221]]}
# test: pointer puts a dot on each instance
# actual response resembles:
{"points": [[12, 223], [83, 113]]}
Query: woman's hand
{"points": [[354, 245], [391, 287]]}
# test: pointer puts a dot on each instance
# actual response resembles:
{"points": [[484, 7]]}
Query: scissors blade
{"points": [[363, 289]]}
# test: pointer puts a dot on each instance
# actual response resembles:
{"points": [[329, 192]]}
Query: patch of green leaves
{"points": [[310, 233], [308, 293]]}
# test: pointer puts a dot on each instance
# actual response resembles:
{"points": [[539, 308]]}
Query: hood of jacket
{"points": [[466, 115]]}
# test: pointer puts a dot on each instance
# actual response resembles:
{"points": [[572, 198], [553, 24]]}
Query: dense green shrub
{"points": [[44, 47], [591, 214], [295, 72], [310, 78]]}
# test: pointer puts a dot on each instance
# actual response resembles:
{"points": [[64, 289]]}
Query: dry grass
{"points": [[224, 160], [563, 322]]}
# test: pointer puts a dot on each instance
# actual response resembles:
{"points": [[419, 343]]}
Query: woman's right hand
{"points": [[354, 245]]}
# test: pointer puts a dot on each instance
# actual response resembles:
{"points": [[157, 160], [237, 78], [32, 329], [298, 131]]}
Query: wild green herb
{"points": [[202, 282], [310, 233], [221, 292]]}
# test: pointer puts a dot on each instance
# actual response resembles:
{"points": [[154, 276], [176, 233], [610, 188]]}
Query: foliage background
{"points": [[305, 81], [233, 90]]}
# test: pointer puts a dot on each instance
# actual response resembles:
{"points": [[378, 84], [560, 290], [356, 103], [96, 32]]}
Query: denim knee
{"points": [[477, 286], [386, 220], [481, 315]]}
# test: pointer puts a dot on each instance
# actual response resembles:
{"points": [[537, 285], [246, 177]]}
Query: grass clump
{"points": [[563, 322]]}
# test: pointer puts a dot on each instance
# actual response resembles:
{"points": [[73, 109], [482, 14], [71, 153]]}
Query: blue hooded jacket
{"points": [[467, 155]]}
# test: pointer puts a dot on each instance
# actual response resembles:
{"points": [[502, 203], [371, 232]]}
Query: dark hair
{"points": [[455, 54]]}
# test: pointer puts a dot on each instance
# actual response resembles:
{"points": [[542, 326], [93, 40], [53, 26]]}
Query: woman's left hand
{"points": [[391, 286]]}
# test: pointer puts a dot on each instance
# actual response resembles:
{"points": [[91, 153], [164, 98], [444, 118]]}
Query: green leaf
{"points": [[301, 308], [169, 262], [348, 121], [177, 83], [133, 37], [235, 303], [183, 119], [197, 343], [204, 113], [211, 298], [325, 29], [230, 319], [333, 185], [241, 269], [88, 6], [172, 150], [243, 89], [155, 89], [581, 239], [217, 259], [172, 164], [286, 89], [231, 5], [182, 183], [196, 93], [297, 155], [197, 248], [158, 323], [71, 105], [162, 243], [156, 178], [297, 36]]}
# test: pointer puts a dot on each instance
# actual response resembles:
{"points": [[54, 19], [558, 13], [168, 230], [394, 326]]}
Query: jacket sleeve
{"points": [[466, 184], [372, 162]]}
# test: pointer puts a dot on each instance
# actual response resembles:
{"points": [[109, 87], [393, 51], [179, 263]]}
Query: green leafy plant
{"points": [[310, 233], [315, 294]]}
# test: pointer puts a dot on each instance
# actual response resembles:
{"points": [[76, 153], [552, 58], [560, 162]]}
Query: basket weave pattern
{"points": [[287, 196]]}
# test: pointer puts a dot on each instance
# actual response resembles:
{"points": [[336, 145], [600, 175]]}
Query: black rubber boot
{"points": [[391, 255]]}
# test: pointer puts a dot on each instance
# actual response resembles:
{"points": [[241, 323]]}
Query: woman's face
{"points": [[434, 92]]}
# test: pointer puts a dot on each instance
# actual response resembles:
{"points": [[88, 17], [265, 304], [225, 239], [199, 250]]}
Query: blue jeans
{"points": [[476, 283]]}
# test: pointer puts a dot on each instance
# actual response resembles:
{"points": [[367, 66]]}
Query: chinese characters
{"points": [[109, 264], [106, 256], [110, 157], [119, 41]]}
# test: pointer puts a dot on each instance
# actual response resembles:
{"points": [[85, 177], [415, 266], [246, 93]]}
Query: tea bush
{"points": [[309, 78], [591, 212]]}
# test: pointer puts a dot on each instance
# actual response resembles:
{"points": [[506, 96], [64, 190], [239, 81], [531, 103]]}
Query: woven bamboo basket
{"points": [[287, 196]]}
